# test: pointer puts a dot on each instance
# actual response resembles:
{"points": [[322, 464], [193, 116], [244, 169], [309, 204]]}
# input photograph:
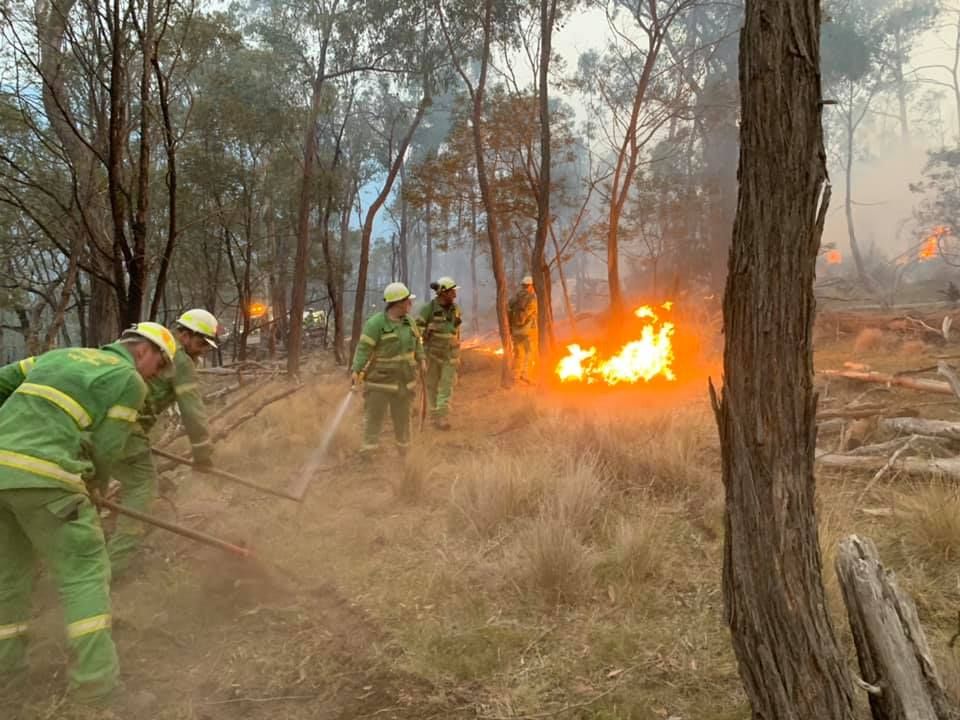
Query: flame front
{"points": [[931, 246], [644, 359], [834, 257]]}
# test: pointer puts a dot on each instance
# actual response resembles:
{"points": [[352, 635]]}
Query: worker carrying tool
{"points": [[439, 322], [64, 420], [523, 330], [388, 357], [195, 333]]}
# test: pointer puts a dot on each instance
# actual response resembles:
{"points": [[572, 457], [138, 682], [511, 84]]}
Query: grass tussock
{"points": [[869, 340], [555, 563], [493, 491], [418, 467], [930, 523], [637, 549]]}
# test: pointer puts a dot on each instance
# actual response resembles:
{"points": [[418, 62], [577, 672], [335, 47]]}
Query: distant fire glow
{"points": [[256, 310], [931, 246], [834, 257], [644, 359]]}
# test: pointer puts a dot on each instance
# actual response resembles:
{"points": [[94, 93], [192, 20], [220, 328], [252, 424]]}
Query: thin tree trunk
{"points": [[791, 665], [474, 284], [137, 266], [170, 148], [428, 251], [69, 282], [538, 261], [489, 203], [360, 300], [404, 227]]}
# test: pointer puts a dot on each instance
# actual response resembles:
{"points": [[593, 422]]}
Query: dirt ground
{"points": [[557, 554]]}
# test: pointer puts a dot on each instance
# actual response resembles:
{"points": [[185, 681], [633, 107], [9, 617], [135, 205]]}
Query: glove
{"points": [[354, 378]]}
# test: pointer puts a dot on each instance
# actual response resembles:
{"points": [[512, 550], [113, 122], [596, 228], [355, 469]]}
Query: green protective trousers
{"points": [[138, 486], [63, 529], [441, 377], [524, 356], [376, 404]]}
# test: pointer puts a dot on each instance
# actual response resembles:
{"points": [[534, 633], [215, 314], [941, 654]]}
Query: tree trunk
{"points": [[791, 665], [538, 261], [489, 203], [170, 147], [404, 227], [360, 300], [428, 251]]}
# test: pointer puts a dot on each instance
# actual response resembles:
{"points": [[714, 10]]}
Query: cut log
{"points": [[934, 386], [896, 664], [866, 411]]}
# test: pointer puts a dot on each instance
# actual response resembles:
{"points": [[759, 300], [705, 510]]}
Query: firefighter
{"points": [[64, 419], [523, 330], [195, 333], [439, 322], [389, 354]]}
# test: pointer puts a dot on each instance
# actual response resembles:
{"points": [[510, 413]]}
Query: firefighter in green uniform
{"points": [[523, 330], [195, 333], [439, 322], [64, 419], [388, 357]]}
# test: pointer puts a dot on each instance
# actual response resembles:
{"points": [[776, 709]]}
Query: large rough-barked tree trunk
{"points": [[789, 660]]}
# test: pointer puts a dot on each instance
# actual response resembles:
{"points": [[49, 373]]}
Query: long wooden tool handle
{"points": [[178, 529], [225, 475]]}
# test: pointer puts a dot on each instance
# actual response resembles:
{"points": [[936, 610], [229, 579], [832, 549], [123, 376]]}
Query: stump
{"points": [[895, 661]]}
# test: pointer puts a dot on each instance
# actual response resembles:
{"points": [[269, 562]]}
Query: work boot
{"points": [[441, 423]]}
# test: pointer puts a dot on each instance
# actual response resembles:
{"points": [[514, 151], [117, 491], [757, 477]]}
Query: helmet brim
{"points": [[210, 341]]}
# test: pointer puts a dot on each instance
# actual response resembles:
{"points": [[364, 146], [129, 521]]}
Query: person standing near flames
{"points": [[439, 322], [386, 363], [523, 329], [195, 334], [65, 417]]}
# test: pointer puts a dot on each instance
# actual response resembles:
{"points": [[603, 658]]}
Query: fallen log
{"points": [[896, 664], [950, 374], [926, 443], [920, 426], [948, 467], [934, 386], [866, 411]]}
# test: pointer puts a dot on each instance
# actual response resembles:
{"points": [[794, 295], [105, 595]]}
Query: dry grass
{"points": [[418, 467], [637, 549], [492, 492], [930, 523], [914, 348], [869, 340], [555, 563]]}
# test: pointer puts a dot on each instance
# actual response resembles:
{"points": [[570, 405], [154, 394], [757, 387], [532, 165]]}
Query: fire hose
{"points": [[225, 475], [174, 528]]}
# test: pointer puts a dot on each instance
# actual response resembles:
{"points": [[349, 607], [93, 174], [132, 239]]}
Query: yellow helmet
{"points": [[202, 322], [444, 284], [157, 334], [395, 292]]}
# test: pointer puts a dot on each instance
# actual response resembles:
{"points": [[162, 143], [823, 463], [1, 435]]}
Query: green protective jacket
{"points": [[523, 313], [65, 416], [178, 384], [388, 353], [440, 327]]}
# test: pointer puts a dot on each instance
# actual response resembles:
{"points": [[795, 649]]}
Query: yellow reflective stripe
{"points": [[368, 340], [442, 335], [122, 412], [59, 398], [26, 365], [88, 625], [45, 468], [11, 631], [381, 386], [184, 389]]}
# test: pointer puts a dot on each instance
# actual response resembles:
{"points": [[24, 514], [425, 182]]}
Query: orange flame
{"points": [[834, 257], [256, 310], [931, 246], [644, 359]]}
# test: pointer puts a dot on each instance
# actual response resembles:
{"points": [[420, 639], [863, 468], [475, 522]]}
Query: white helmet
{"points": [[395, 292], [156, 334], [444, 284], [527, 280], [201, 322]]}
